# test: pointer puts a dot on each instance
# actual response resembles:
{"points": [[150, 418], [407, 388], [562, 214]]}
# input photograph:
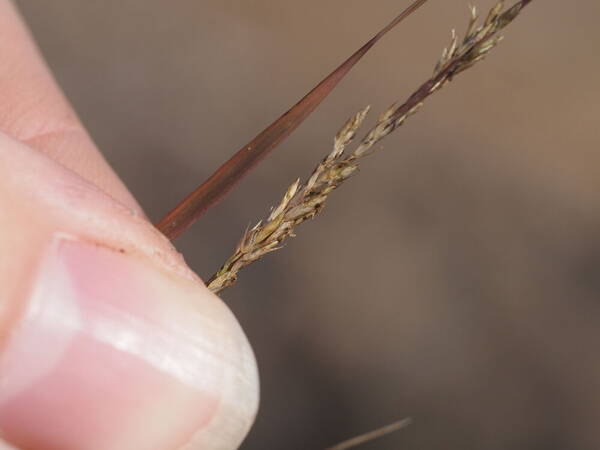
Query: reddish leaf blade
{"points": [[229, 174]]}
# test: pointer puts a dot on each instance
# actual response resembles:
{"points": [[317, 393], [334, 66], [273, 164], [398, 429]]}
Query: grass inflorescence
{"points": [[303, 200]]}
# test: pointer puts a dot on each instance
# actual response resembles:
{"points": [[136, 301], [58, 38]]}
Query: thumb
{"points": [[107, 340]]}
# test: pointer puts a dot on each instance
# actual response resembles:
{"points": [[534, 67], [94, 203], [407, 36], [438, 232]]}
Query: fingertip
{"points": [[106, 339], [110, 352]]}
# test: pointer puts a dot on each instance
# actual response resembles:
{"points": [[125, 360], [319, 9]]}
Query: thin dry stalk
{"points": [[372, 435], [303, 201]]}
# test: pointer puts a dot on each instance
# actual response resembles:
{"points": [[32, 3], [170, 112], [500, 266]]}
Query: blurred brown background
{"points": [[455, 280]]}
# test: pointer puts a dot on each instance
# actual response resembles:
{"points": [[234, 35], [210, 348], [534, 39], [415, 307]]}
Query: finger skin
{"points": [[107, 340], [33, 109]]}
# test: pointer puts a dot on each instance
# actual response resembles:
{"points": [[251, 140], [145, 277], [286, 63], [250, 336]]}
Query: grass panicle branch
{"points": [[302, 201]]}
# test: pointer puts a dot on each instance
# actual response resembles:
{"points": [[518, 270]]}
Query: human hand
{"points": [[107, 340]]}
